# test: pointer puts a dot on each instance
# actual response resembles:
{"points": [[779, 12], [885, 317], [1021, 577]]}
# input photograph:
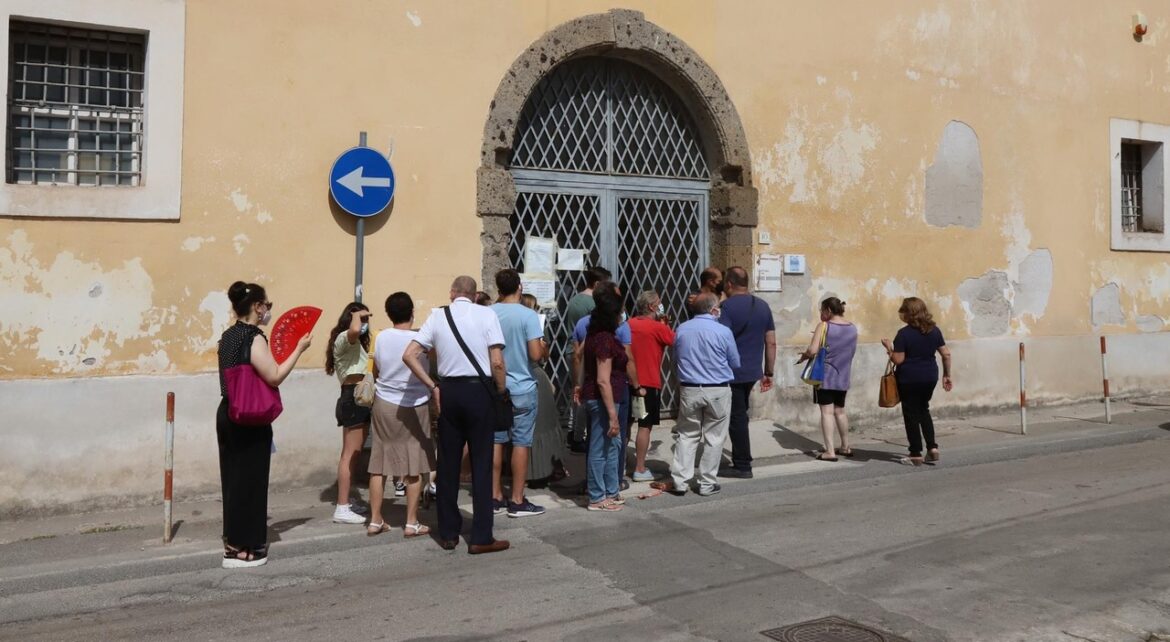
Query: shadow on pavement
{"points": [[285, 525]]}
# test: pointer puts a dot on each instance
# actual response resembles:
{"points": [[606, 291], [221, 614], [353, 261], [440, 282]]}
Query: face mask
{"points": [[661, 309], [365, 328], [267, 318]]}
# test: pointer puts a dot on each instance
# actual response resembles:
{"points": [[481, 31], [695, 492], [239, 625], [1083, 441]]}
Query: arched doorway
{"points": [[704, 199], [607, 159]]}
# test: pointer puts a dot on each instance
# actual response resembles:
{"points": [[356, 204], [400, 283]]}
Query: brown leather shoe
{"points": [[495, 547], [448, 544]]}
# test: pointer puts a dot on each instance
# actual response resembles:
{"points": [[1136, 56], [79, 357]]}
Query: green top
{"points": [[579, 307], [348, 359]]}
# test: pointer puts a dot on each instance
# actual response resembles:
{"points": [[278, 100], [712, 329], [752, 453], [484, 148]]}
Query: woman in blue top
{"points": [[913, 352], [840, 345]]}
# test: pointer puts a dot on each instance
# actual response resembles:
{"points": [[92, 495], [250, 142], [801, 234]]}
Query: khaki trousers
{"points": [[703, 417]]}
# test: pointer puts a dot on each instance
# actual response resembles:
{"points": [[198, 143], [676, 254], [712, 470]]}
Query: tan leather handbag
{"points": [[888, 388]]}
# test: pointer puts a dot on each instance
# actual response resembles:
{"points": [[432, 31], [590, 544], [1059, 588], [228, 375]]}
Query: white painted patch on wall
{"points": [[263, 216], [240, 241], [240, 200], [845, 157], [218, 308], [1151, 323], [72, 310], [193, 243], [784, 165], [932, 25], [821, 80], [895, 289], [414, 18], [913, 75]]}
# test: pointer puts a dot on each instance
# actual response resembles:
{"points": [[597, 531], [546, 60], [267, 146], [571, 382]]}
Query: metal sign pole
{"points": [[361, 244]]}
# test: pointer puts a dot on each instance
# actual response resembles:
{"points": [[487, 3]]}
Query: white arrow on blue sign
{"points": [[361, 181]]}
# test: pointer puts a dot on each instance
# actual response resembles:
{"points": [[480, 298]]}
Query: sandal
{"points": [[824, 457], [604, 506], [377, 529], [845, 453], [415, 529], [910, 461], [617, 499], [244, 558]]}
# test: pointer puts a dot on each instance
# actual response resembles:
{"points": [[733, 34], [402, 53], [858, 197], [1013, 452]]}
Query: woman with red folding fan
{"points": [[245, 450]]}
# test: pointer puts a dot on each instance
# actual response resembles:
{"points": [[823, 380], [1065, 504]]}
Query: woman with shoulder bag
{"points": [[840, 341], [346, 356], [913, 351], [245, 451]]}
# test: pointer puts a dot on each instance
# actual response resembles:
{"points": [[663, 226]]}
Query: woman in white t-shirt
{"points": [[402, 442]]}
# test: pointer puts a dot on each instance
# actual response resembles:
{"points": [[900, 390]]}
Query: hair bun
{"points": [[237, 291]]}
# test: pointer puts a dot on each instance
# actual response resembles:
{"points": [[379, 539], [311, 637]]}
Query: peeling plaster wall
{"points": [[866, 150]]}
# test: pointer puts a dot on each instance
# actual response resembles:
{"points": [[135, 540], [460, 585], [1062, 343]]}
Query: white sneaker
{"points": [[399, 489], [432, 489], [345, 515]]}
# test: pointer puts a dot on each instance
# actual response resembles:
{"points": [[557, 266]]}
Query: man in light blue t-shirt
{"points": [[523, 344]]}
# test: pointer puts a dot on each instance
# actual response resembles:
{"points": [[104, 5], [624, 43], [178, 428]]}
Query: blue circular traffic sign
{"points": [[361, 181]]}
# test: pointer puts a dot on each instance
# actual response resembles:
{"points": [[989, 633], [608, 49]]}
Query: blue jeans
{"points": [[603, 450]]}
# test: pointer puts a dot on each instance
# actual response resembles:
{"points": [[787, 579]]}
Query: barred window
{"points": [[75, 106]]}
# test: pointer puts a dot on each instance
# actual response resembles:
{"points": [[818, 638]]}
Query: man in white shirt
{"points": [[464, 399]]}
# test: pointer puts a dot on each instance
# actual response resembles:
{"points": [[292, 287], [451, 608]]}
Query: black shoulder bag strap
{"points": [[467, 351]]}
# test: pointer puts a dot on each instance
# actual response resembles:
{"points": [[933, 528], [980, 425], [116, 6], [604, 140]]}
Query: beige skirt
{"points": [[402, 443]]}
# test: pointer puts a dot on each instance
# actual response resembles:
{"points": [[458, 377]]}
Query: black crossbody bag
{"points": [[501, 403]]}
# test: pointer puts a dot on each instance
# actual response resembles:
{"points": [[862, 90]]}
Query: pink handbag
{"points": [[251, 401]]}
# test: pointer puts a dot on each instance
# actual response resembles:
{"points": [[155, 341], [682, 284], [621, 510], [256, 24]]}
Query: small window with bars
{"points": [[75, 105], [1131, 187], [1142, 187]]}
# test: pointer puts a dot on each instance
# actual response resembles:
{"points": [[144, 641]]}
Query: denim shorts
{"points": [[523, 421]]}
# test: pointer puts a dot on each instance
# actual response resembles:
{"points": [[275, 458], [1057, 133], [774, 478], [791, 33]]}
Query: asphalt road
{"points": [[1059, 539]]}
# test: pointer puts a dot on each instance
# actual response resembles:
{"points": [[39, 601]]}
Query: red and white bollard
{"points": [[1023, 394], [1105, 383], [168, 472]]}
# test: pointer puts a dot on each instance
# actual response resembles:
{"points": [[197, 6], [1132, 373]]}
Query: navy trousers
{"points": [[465, 418]]}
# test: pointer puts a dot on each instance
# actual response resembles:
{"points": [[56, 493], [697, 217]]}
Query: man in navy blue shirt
{"points": [[750, 320]]}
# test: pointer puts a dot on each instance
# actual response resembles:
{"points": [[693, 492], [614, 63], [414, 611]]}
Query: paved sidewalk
{"points": [[778, 450]]}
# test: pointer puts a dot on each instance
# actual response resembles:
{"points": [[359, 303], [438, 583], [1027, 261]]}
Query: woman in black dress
{"points": [[245, 451]]}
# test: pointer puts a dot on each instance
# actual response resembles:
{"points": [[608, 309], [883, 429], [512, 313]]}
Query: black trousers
{"points": [[737, 430], [465, 418], [916, 414], [245, 454]]}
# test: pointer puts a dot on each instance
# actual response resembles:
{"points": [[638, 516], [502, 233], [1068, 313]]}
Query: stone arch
{"points": [[625, 34]]}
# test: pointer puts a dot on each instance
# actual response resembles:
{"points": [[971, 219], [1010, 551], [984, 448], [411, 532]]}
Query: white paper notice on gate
{"points": [[541, 287], [539, 256], [568, 259]]}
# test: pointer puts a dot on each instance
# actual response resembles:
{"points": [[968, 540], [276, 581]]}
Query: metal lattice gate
{"points": [[607, 160]]}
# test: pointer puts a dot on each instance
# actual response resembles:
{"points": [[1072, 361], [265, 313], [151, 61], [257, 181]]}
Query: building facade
{"points": [[1002, 160]]}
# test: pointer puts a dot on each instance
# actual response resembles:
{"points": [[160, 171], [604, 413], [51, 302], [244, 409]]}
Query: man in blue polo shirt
{"points": [[750, 320], [706, 354]]}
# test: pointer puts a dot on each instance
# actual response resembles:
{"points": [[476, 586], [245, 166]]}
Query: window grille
{"points": [[607, 116], [75, 105], [1131, 187]]}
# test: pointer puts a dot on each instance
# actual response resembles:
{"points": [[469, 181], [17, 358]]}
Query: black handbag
{"points": [[501, 403]]}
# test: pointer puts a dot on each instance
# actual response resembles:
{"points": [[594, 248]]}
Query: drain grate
{"points": [[830, 629]]}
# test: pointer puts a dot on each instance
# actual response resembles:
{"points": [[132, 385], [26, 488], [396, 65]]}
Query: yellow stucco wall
{"points": [[843, 110]]}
